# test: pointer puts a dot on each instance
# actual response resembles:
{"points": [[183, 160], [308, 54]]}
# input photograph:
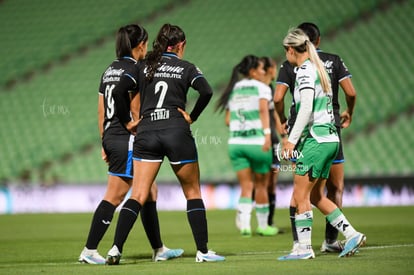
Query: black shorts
{"points": [[177, 144], [118, 149], [340, 156]]}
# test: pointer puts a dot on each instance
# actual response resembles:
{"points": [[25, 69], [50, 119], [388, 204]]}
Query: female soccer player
{"points": [[339, 76], [115, 126], [316, 138], [164, 130], [246, 102]]}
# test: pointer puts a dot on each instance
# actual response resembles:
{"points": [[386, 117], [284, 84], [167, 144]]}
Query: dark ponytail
{"points": [[128, 37], [168, 36], [243, 68]]}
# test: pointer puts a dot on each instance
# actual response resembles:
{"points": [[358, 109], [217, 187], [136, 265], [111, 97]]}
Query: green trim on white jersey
{"points": [[321, 124], [245, 124]]}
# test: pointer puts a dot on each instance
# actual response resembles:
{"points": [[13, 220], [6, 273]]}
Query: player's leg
{"points": [[189, 176], [119, 182], [303, 185], [144, 175], [241, 166], [334, 187], [292, 214], [271, 194], [337, 219], [116, 190], [181, 150], [261, 181], [245, 204], [150, 222]]}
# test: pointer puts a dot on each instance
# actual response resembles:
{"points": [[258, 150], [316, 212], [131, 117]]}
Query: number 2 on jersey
{"points": [[161, 87]]}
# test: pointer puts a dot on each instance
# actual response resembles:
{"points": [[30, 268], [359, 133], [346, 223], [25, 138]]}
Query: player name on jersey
{"points": [[160, 114]]}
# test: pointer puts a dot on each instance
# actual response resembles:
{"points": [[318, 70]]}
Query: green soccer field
{"points": [[51, 243]]}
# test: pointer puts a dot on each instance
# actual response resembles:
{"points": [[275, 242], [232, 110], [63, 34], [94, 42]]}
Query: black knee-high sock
{"points": [[149, 218], [196, 214], [127, 217], [292, 213], [100, 223], [272, 205], [331, 233]]}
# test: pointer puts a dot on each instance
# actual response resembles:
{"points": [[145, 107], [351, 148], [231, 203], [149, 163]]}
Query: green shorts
{"points": [[316, 158], [250, 156]]}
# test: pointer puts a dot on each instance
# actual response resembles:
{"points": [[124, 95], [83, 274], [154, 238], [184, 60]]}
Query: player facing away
{"points": [[115, 125], [246, 104], [339, 76], [164, 131], [315, 136]]}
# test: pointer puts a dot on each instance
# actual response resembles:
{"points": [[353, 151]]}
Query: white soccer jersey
{"points": [[321, 123], [245, 124]]}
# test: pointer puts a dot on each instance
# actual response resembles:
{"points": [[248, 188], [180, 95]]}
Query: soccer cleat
{"points": [[268, 231], [91, 256], [210, 256], [298, 254], [336, 246], [114, 256], [246, 232], [164, 253], [352, 245]]}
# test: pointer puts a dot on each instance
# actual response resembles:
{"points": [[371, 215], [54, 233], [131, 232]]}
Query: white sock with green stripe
{"points": [[338, 220], [262, 213], [245, 211], [303, 224]]}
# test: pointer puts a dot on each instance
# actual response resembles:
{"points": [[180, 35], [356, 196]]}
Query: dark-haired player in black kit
{"points": [[340, 76], [115, 126], [164, 130]]}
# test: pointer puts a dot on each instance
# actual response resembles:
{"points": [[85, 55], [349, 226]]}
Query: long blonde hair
{"points": [[299, 41]]}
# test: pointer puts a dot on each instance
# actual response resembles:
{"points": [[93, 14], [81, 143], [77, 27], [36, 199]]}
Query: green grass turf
{"points": [[51, 243]]}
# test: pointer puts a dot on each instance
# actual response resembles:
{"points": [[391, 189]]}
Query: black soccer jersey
{"points": [[161, 97], [120, 70], [337, 72]]}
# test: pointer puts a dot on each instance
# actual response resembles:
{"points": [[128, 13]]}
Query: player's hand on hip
{"points": [[346, 119], [185, 115]]}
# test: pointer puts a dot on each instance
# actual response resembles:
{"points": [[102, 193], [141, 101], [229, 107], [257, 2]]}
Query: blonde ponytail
{"points": [[314, 58], [297, 39]]}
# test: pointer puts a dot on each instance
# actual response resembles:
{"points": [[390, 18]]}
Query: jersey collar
{"points": [[170, 54], [129, 58]]}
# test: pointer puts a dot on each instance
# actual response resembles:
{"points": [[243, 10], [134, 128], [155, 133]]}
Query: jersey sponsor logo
{"points": [[303, 80], [167, 71], [170, 69], [246, 133], [112, 75], [168, 75], [328, 64]]}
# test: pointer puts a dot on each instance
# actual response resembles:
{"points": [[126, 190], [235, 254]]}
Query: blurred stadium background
{"points": [[53, 53]]}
